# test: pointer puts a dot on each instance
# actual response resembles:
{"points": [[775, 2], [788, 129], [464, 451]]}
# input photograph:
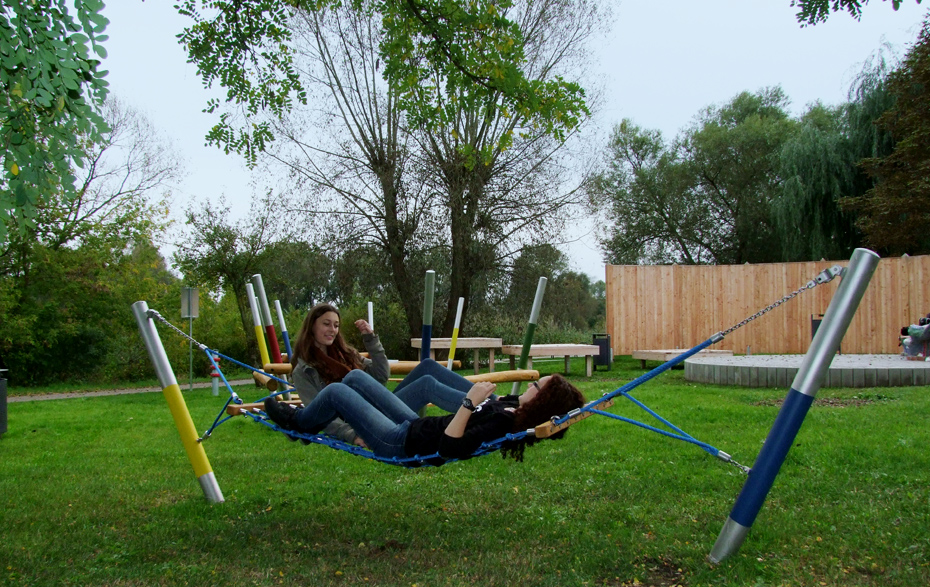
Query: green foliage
{"points": [[73, 318], [816, 11], [571, 306], [896, 211], [820, 170], [703, 199], [50, 88], [69, 275], [645, 190], [435, 53]]}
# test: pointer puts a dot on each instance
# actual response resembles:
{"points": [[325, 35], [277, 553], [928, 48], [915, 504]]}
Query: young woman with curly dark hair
{"points": [[389, 425]]}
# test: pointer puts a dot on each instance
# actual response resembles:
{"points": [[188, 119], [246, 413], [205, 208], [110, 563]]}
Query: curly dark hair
{"points": [[556, 398], [340, 350]]}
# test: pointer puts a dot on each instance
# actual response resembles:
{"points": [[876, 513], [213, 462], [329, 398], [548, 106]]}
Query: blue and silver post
{"points": [[813, 370], [428, 314], [287, 339]]}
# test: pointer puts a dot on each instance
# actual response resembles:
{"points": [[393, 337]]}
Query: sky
{"points": [[659, 65]]}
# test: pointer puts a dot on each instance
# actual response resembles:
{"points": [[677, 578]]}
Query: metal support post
{"points": [[172, 393], [810, 376]]}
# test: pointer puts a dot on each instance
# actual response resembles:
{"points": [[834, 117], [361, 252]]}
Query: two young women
{"points": [[388, 423]]}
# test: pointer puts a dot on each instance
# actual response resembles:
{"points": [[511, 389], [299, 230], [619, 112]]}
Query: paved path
{"points": [[77, 394]]}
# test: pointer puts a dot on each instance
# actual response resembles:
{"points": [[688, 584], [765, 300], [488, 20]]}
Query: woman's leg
{"points": [[377, 395], [430, 368], [383, 436], [427, 390]]}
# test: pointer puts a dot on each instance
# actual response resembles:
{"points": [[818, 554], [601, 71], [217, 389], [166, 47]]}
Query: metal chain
{"points": [[824, 276], [163, 320]]}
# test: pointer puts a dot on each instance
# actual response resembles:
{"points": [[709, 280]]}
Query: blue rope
{"points": [[233, 396], [487, 447], [433, 460], [624, 391]]}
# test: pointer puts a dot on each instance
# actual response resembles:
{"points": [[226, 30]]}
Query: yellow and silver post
{"points": [[172, 393]]}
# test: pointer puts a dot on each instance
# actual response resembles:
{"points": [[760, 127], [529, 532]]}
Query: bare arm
{"points": [[477, 394]]}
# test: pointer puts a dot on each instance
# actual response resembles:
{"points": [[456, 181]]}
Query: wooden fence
{"points": [[676, 306]]}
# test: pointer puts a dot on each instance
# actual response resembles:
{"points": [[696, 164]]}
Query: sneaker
{"points": [[281, 414]]}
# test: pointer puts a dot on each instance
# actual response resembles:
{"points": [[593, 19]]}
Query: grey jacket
{"points": [[308, 383]]}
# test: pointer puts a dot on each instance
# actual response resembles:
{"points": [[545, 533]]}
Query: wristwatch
{"points": [[466, 403]]}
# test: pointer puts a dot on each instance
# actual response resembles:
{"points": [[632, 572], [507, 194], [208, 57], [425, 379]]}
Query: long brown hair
{"points": [[339, 350], [556, 398]]}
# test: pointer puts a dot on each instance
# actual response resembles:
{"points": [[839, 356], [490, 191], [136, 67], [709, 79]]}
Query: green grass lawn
{"points": [[98, 491]]}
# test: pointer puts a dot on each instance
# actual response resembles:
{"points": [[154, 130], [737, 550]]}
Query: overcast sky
{"points": [[660, 65]]}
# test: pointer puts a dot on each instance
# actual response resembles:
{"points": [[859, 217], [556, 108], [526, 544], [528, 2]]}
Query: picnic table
{"points": [[555, 350], [462, 343]]}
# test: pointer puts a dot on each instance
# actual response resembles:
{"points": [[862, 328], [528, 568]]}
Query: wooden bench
{"points": [[555, 350], [462, 343], [669, 354]]}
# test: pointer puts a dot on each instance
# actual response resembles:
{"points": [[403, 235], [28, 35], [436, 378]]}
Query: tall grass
{"points": [[98, 491]]}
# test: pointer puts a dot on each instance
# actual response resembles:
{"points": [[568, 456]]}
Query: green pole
{"points": [[428, 314], [530, 330]]}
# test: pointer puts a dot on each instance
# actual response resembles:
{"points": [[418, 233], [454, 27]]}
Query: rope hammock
{"points": [[235, 406]]}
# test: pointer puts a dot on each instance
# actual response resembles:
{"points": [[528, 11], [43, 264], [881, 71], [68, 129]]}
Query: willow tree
{"points": [[894, 213], [821, 173]]}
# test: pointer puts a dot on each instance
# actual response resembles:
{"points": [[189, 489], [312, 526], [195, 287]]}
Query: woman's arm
{"points": [[377, 365], [477, 394]]}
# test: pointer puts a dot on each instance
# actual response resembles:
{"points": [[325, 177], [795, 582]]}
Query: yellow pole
{"points": [[257, 321], [455, 334], [179, 411]]}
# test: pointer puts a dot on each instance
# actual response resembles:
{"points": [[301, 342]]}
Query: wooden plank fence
{"points": [[678, 306]]}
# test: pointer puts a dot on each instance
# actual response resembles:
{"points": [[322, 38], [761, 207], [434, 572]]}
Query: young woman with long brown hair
{"points": [[321, 356]]}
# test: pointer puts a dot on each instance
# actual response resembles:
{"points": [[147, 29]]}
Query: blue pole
{"points": [[813, 369]]}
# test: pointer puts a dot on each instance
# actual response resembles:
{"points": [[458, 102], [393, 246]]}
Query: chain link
{"points": [[824, 276], [163, 320]]}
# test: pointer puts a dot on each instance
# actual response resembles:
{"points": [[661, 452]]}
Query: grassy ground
{"points": [[98, 491]]}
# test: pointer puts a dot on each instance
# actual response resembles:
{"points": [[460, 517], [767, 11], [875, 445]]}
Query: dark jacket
{"points": [[492, 420]]}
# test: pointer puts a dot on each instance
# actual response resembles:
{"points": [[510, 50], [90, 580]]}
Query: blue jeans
{"points": [[432, 376], [380, 417]]}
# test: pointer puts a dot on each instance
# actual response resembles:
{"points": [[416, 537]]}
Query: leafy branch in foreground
{"points": [[50, 88], [816, 11], [433, 52]]}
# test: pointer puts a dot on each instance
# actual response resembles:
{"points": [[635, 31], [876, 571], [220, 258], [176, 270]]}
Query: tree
{"points": [[570, 299], [704, 199], [50, 87], [734, 153], [645, 190], [430, 49], [68, 277], [821, 174], [221, 256], [352, 161], [448, 196], [816, 11], [895, 213], [518, 192]]}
